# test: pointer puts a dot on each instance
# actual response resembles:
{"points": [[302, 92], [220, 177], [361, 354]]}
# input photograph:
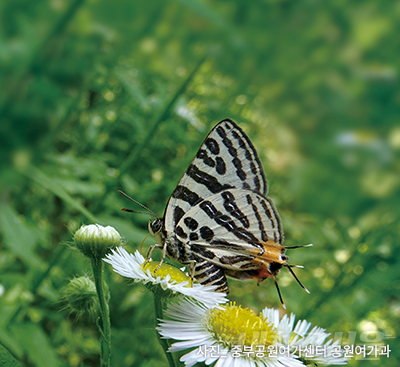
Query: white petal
{"points": [[190, 344], [301, 327], [272, 315], [290, 361], [191, 358], [130, 266]]}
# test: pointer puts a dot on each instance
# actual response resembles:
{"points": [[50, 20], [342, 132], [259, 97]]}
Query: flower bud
{"points": [[80, 296], [95, 241]]}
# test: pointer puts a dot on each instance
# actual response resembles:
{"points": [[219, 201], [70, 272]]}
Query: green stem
{"points": [[97, 266], [158, 306]]}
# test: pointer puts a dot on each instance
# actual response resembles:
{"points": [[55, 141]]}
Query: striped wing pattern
{"points": [[231, 228], [219, 217], [226, 159]]}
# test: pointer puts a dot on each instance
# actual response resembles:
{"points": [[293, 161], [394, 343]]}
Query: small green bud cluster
{"points": [[96, 241], [80, 296]]}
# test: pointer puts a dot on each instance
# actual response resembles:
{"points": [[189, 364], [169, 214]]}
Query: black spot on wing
{"points": [[202, 154], [206, 233], [193, 236], [253, 168], [191, 223], [221, 132], [212, 145], [178, 214], [257, 183], [239, 169], [180, 232], [248, 156], [221, 166]]}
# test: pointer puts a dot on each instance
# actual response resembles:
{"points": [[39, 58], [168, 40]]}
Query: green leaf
{"points": [[73, 186], [18, 237], [6, 358], [47, 182], [8, 339], [36, 344]]}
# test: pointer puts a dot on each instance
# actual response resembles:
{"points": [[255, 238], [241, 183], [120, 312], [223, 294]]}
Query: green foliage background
{"points": [[103, 95]]}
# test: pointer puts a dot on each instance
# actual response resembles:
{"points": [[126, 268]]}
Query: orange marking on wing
{"points": [[272, 254]]}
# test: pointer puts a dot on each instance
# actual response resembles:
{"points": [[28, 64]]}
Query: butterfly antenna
{"points": [[137, 211], [136, 202], [279, 293], [295, 277], [292, 247]]}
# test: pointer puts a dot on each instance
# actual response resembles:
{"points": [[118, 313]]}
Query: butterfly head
{"points": [[155, 226]]}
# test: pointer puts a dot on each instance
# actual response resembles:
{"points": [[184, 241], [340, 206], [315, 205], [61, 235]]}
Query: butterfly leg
{"points": [[279, 293], [295, 277], [191, 270], [150, 252], [164, 253]]}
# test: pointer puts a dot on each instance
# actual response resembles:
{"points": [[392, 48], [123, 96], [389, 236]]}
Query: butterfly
{"points": [[219, 221]]}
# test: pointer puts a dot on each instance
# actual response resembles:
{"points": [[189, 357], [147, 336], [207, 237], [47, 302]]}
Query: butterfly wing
{"points": [[225, 160], [237, 230]]}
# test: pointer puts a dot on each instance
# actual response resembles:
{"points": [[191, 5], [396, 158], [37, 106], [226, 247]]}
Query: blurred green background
{"points": [[103, 95]]}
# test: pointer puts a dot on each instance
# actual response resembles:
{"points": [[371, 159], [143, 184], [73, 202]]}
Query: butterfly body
{"points": [[218, 220]]}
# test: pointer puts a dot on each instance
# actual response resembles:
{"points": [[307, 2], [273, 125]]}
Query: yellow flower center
{"points": [[234, 325], [176, 274]]}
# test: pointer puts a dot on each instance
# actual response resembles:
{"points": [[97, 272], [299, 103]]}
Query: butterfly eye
{"points": [[155, 226]]}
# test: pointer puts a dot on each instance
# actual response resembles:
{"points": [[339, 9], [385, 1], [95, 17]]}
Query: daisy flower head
{"points": [[225, 335], [167, 279], [307, 345]]}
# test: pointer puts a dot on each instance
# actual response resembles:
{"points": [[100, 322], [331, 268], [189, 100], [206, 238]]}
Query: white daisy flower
{"points": [[308, 346], [168, 277], [228, 336]]}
